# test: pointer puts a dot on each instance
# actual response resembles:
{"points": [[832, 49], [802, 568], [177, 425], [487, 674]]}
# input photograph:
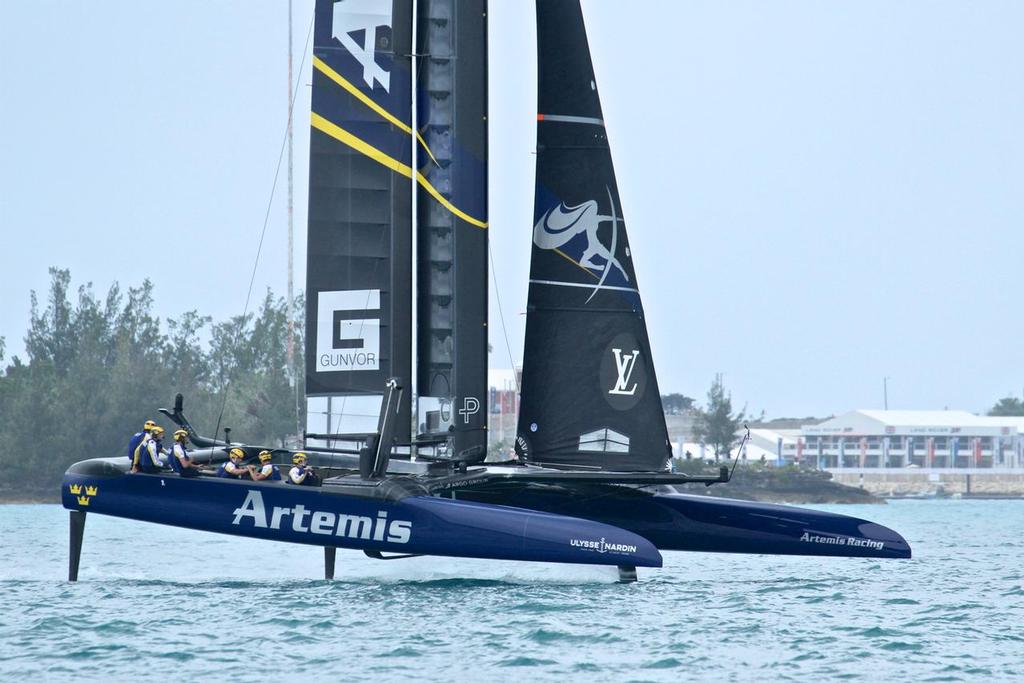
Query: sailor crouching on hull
{"points": [[267, 470], [233, 469], [147, 455], [302, 474], [180, 460], [136, 441]]}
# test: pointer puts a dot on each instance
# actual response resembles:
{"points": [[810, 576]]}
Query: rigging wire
{"points": [[501, 316], [266, 222], [743, 445]]}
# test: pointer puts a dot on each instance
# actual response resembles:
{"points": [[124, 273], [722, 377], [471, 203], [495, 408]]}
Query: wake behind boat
{"points": [[590, 483]]}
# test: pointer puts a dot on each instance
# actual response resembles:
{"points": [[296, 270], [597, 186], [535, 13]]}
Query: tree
{"points": [[96, 368], [674, 404], [1009, 406], [716, 425]]}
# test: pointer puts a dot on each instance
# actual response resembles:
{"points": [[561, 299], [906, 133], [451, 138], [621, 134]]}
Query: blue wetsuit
{"points": [[275, 473], [177, 466], [223, 472], [310, 479], [146, 461], [133, 443]]}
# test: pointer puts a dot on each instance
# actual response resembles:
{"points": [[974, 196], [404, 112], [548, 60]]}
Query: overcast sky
{"points": [[818, 194]]}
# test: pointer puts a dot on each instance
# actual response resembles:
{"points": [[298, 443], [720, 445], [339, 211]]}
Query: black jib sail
{"points": [[451, 208], [359, 263], [589, 393]]}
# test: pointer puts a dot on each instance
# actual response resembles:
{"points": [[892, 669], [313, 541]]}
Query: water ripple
{"points": [[949, 614]]}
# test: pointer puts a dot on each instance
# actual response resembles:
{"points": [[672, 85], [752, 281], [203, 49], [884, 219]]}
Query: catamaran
{"points": [[397, 197]]}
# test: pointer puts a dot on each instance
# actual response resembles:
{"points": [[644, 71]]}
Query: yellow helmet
{"points": [[236, 453], [157, 430], [180, 435], [299, 459], [265, 456], [149, 424]]}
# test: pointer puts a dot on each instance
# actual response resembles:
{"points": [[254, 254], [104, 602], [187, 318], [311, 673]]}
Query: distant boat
{"points": [[398, 195]]}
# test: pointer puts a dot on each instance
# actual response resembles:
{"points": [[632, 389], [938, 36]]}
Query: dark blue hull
{"points": [[419, 524], [673, 521]]}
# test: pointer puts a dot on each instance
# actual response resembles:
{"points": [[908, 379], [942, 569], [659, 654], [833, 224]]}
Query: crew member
{"points": [[302, 474], [135, 441], [267, 470], [149, 452], [180, 460], [233, 469]]}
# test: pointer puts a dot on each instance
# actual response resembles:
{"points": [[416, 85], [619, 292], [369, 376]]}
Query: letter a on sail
{"points": [[367, 16]]}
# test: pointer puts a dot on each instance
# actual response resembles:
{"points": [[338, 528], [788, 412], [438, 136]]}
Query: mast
{"points": [[589, 392], [451, 213], [293, 375]]}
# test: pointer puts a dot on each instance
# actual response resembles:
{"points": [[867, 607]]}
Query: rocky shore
{"points": [[777, 485]]}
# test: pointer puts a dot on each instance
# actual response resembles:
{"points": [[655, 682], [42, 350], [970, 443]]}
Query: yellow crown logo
{"points": [[91, 490], [83, 500], [75, 489]]}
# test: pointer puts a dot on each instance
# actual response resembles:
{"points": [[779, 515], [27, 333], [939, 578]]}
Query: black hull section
{"points": [[673, 521]]}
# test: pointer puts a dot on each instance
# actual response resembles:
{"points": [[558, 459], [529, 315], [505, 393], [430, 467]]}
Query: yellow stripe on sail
{"points": [[365, 148], [576, 263], [445, 203], [322, 67]]}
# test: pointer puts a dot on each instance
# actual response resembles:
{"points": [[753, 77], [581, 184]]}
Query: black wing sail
{"points": [[359, 255], [451, 207], [589, 393]]}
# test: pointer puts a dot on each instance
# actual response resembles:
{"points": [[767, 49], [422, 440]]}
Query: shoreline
{"points": [[30, 497]]}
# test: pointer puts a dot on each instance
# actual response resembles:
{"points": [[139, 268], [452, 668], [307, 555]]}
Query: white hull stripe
{"points": [[561, 118], [585, 286]]}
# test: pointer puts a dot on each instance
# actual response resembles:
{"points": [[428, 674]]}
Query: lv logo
{"points": [[624, 364]]}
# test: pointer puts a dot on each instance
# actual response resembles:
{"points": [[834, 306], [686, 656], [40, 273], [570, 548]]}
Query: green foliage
{"points": [[95, 370], [674, 404], [716, 424], [1009, 406]]}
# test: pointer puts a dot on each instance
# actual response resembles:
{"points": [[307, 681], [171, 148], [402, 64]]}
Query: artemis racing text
{"points": [[843, 540], [323, 523]]}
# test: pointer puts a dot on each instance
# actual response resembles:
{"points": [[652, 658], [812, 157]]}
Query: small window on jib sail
{"points": [[604, 441]]}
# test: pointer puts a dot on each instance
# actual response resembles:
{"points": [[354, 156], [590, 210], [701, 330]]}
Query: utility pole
{"points": [[291, 236], [885, 392]]}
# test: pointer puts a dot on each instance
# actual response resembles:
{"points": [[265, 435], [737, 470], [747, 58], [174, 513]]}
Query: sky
{"points": [[819, 195]]}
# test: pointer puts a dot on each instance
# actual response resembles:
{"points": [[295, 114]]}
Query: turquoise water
{"points": [[156, 602]]}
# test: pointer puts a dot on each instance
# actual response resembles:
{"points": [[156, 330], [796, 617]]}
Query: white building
{"points": [[904, 438], [502, 406]]}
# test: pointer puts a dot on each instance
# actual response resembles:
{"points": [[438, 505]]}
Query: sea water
{"points": [[156, 602]]}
